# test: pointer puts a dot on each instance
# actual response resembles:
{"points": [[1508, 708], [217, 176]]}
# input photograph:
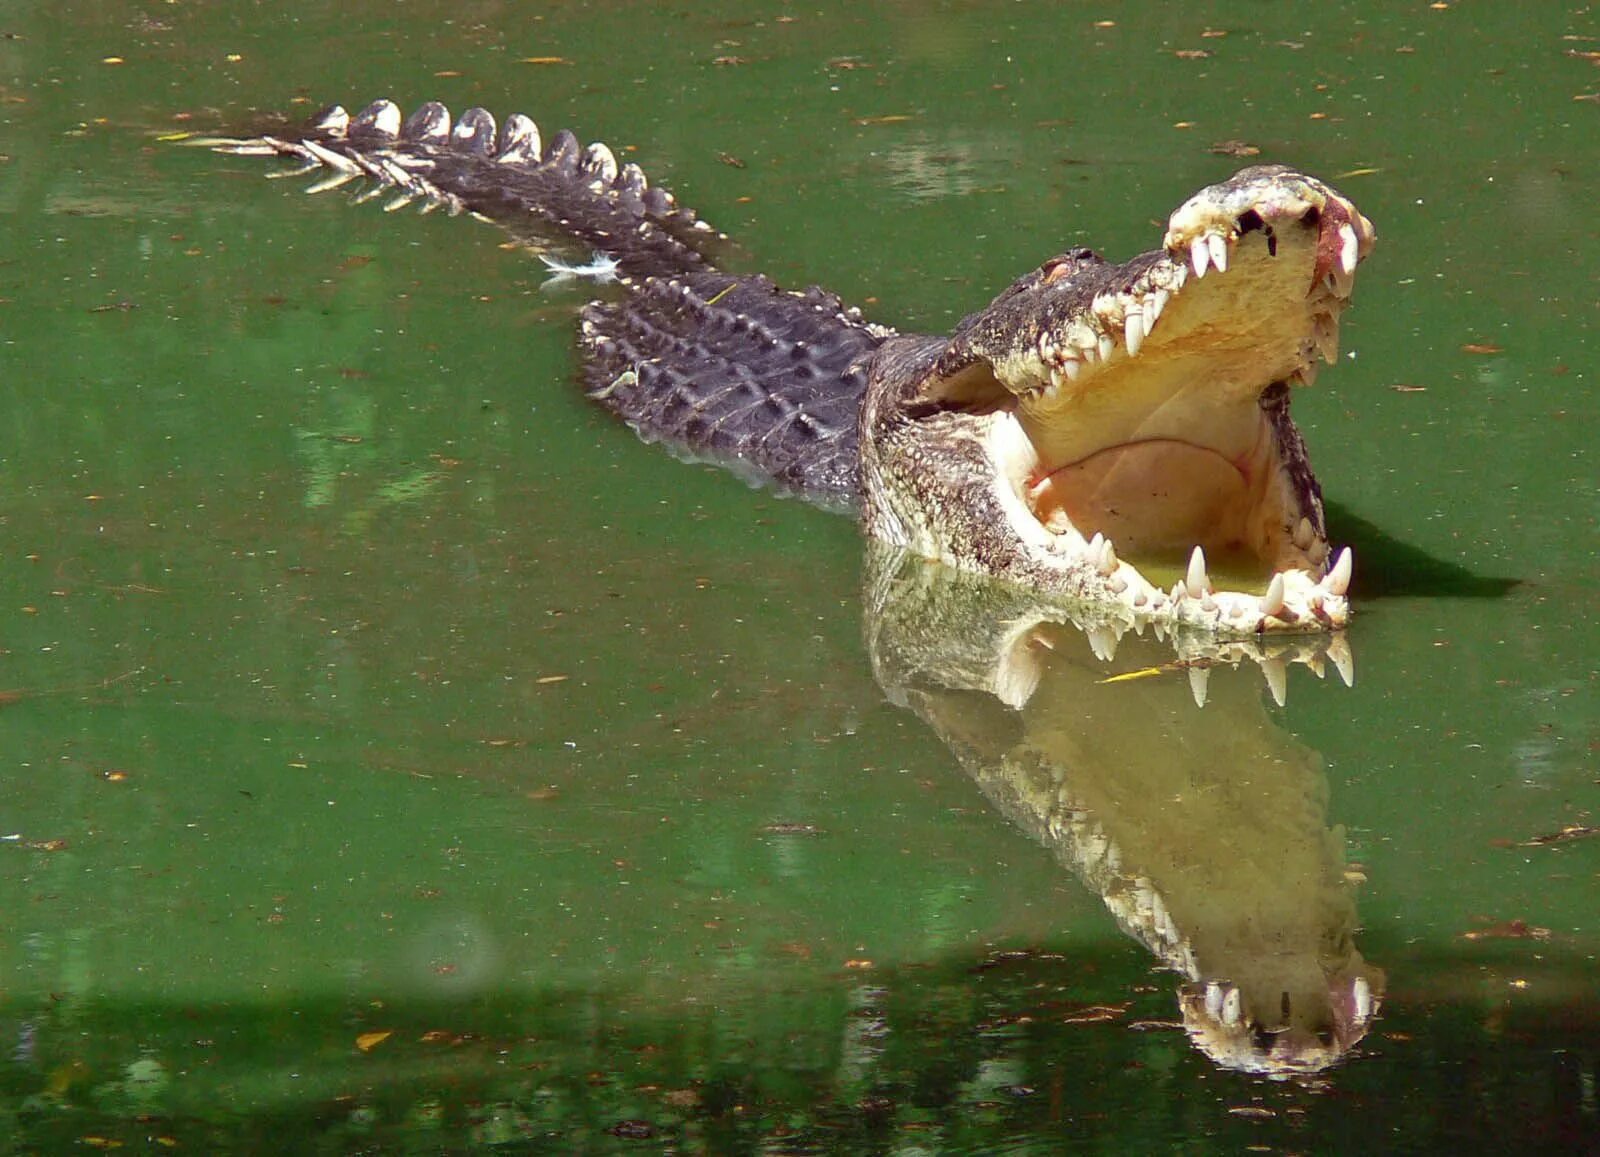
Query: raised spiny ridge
{"points": [[506, 174]]}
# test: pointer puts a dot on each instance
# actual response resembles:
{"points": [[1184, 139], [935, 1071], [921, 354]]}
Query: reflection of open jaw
{"points": [[1202, 828]]}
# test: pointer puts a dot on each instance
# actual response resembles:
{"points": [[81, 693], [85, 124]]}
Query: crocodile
{"points": [[1098, 429]]}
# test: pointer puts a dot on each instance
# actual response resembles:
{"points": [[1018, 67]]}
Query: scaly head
{"points": [[1141, 410]]}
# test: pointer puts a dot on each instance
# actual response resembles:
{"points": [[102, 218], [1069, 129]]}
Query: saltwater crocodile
{"points": [[1092, 414]]}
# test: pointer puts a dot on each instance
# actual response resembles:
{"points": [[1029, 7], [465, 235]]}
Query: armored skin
{"points": [[1096, 431]]}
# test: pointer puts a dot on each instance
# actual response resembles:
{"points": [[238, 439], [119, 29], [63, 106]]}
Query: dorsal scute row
{"points": [[429, 129]]}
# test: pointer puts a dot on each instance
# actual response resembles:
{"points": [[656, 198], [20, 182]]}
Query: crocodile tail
{"points": [[506, 173], [737, 371]]}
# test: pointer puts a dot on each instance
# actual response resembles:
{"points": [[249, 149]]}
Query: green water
{"points": [[395, 755]]}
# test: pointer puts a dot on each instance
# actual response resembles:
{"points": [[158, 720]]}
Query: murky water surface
{"points": [[399, 755]]}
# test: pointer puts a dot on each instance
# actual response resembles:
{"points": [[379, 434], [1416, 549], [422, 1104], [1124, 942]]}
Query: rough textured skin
{"points": [[1093, 410], [735, 369]]}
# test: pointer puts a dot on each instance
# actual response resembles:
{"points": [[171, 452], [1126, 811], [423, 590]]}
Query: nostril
{"points": [[1311, 216], [1250, 220]]}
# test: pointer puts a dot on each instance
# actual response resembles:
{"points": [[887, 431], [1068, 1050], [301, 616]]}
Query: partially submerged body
{"points": [[1095, 424]]}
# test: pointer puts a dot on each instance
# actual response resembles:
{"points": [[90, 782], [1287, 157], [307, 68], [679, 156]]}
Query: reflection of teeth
{"points": [[1199, 678], [1232, 1007], [1218, 244], [1200, 255], [1214, 1000], [1272, 602], [1103, 642], [1196, 580], [1343, 661], [1277, 673], [1361, 996]]}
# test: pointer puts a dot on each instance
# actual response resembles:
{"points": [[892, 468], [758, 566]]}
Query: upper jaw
{"points": [[1142, 408]]}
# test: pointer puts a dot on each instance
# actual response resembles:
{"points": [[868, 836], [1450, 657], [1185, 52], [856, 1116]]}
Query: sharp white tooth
{"points": [[1343, 661], [1162, 296], [1277, 673], [1199, 677], [1133, 330], [1214, 1000], [1179, 591], [1106, 346], [1305, 534], [1106, 558], [1232, 1007], [1218, 244], [1272, 601], [1200, 256], [1196, 579], [1337, 581], [1361, 994], [1349, 249], [1103, 642]]}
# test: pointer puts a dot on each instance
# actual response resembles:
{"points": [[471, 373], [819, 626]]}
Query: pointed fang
{"points": [[1337, 581], [1218, 244], [1196, 580], [1199, 256], [1272, 602], [1199, 678], [1349, 249], [1106, 558], [1133, 330]]}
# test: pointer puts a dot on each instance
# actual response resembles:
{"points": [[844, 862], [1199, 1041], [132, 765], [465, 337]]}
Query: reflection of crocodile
{"points": [[1202, 829], [1144, 404]]}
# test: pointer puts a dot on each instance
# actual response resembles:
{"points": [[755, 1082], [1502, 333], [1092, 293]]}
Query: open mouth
{"points": [[1144, 422]]}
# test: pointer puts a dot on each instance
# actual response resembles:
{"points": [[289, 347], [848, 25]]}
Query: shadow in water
{"points": [[1390, 568], [1167, 789]]}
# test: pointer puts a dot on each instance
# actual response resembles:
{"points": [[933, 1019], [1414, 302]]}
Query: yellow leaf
{"points": [[368, 1041], [1142, 673]]}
